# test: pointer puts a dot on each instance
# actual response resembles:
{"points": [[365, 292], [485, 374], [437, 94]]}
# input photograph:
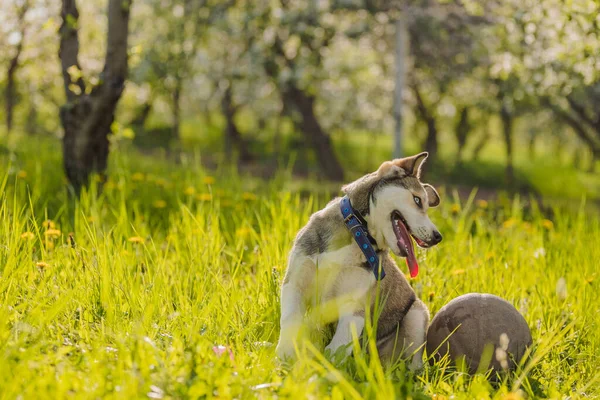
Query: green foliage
{"points": [[127, 293]]}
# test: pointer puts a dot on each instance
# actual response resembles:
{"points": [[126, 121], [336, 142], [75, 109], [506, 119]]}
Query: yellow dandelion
{"points": [[209, 180], [455, 209], [243, 232], [204, 197], [509, 223], [136, 239], [190, 191], [49, 245], [589, 279], [22, 174], [42, 265], [547, 224], [159, 204], [27, 235], [137, 177], [482, 203], [248, 196], [162, 182], [459, 271], [512, 396], [49, 224], [52, 233]]}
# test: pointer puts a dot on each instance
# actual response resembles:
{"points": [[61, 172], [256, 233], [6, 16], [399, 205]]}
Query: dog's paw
{"points": [[285, 351]]}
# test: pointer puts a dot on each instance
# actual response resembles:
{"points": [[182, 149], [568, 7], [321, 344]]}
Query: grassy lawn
{"points": [[130, 293]]}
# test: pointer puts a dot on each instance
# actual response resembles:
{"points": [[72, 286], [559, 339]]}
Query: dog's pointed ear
{"points": [[433, 198], [391, 169], [412, 165]]}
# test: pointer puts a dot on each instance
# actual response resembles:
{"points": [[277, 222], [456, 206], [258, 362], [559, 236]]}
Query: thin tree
{"points": [[89, 111]]}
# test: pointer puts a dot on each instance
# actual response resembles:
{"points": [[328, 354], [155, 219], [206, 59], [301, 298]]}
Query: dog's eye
{"points": [[417, 200]]}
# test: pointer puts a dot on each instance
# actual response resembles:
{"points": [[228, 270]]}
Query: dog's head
{"points": [[397, 204]]}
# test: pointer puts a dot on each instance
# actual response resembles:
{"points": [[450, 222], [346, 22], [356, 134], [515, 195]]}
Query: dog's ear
{"points": [[432, 195], [391, 169], [412, 165]]}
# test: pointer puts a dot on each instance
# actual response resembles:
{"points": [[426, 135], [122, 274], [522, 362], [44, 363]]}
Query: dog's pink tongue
{"points": [[406, 243]]}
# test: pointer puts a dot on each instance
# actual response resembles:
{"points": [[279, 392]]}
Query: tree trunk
{"points": [[10, 92], [87, 117], [580, 129], [431, 141], [309, 125], [233, 137], [507, 130], [139, 120], [483, 139], [400, 33], [531, 144], [462, 132], [177, 111]]}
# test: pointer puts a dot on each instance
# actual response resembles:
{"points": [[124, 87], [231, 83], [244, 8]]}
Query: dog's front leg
{"points": [[351, 297], [299, 276], [343, 332]]}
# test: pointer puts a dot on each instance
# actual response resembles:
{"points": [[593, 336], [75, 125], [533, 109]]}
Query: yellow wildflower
{"points": [[162, 182], [590, 279], [509, 223], [137, 177], [109, 185], [190, 191], [49, 224], [489, 255], [159, 204], [455, 209], [27, 235], [22, 174], [204, 197], [136, 239], [547, 224], [248, 196], [512, 396], [459, 271], [42, 265], [209, 180], [243, 232], [52, 233], [482, 203]]}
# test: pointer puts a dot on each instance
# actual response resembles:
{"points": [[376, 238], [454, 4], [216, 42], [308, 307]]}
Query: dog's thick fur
{"points": [[327, 267]]}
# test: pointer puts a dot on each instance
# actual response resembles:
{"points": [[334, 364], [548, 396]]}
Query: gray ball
{"points": [[479, 321]]}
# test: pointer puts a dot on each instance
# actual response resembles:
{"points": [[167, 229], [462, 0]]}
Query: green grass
{"points": [[170, 261]]}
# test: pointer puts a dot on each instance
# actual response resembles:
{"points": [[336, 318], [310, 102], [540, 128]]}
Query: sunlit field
{"points": [[166, 285]]}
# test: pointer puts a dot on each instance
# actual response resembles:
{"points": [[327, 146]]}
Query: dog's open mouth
{"points": [[405, 244]]}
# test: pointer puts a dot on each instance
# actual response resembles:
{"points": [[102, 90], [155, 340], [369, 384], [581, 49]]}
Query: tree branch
{"points": [[578, 128], [69, 48]]}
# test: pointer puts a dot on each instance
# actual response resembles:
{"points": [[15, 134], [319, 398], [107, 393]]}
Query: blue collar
{"points": [[357, 225]]}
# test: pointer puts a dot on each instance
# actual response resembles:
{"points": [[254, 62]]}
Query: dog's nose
{"points": [[437, 237]]}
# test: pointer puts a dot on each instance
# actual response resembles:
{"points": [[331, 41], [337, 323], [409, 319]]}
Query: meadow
{"points": [[165, 284]]}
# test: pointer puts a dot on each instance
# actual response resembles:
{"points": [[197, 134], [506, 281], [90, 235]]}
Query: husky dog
{"points": [[326, 265]]}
